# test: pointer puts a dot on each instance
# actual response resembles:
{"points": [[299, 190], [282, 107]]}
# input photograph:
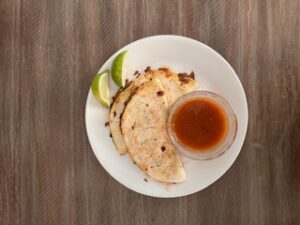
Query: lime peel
{"points": [[100, 88], [118, 69]]}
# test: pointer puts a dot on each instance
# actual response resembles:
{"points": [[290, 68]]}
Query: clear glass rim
{"points": [[217, 150]]}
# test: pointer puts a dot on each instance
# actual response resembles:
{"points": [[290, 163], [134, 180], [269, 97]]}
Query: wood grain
{"points": [[49, 52]]}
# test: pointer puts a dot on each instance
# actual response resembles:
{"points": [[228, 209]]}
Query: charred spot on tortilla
{"points": [[115, 113], [183, 77], [126, 102], [180, 75], [163, 69], [147, 105], [163, 148], [184, 80], [145, 180], [132, 127], [127, 83], [114, 98], [192, 75], [110, 135], [136, 73], [133, 92], [120, 117], [106, 124], [160, 93], [148, 68]]}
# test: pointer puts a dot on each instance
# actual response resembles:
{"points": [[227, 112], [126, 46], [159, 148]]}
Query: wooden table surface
{"points": [[49, 52]]}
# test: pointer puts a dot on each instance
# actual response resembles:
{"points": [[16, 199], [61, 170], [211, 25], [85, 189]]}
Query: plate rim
{"points": [[172, 36]]}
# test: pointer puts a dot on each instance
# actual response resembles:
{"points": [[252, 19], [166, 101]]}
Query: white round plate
{"points": [[180, 54]]}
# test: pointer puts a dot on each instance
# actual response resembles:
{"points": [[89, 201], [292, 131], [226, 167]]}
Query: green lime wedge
{"points": [[118, 69], [100, 88]]}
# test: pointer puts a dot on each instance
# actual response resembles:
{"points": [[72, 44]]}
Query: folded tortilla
{"points": [[144, 131], [116, 112], [172, 85]]}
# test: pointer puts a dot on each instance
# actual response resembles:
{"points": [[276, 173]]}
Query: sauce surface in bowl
{"points": [[200, 124]]}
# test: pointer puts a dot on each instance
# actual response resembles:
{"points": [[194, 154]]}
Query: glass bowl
{"points": [[216, 150]]}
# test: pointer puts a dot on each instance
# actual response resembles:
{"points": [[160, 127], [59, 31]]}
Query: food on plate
{"points": [[138, 122], [100, 88], [201, 125], [118, 69], [138, 114], [117, 109], [174, 85], [143, 126]]}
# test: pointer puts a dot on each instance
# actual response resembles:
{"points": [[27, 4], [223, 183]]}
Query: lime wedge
{"points": [[100, 88], [118, 69]]}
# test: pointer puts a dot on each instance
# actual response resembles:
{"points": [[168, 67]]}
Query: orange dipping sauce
{"points": [[200, 124]]}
